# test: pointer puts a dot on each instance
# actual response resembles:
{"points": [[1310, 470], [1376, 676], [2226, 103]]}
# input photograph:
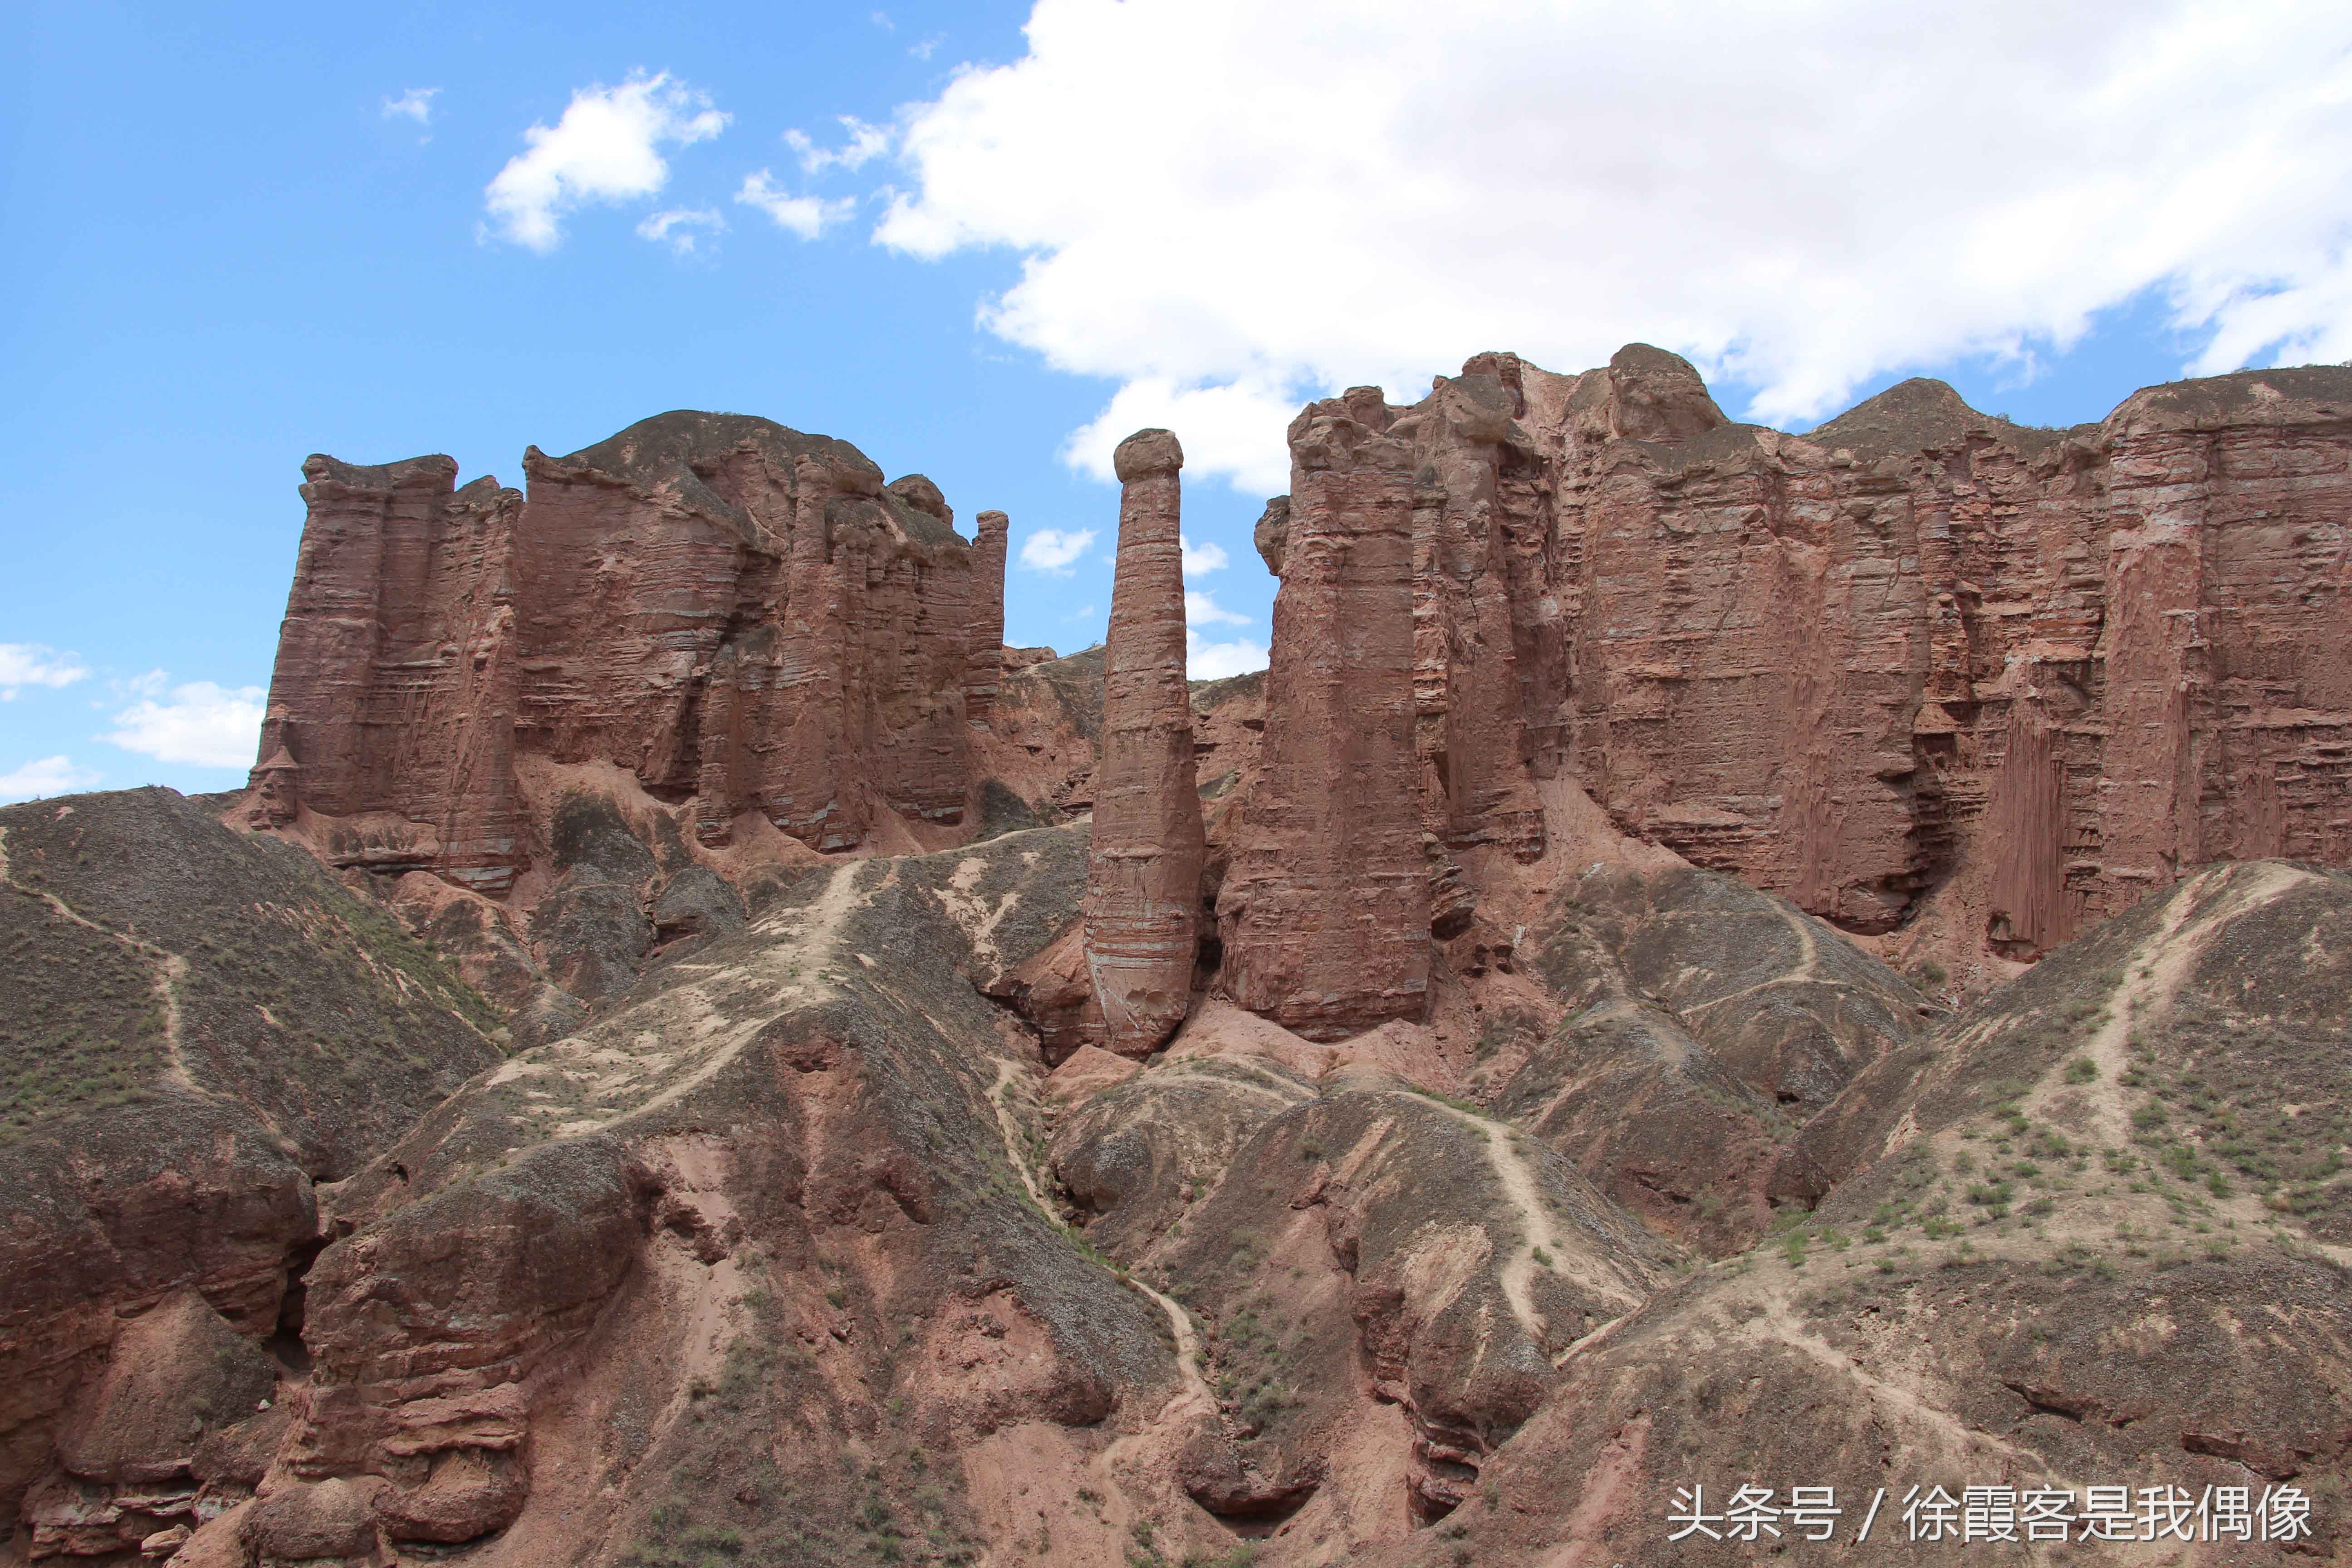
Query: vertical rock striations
{"points": [[1920, 661], [395, 687], [1922, 655], [2229, 571], [1143, 870], [986, 666], [1323, 914], [732, 612]]}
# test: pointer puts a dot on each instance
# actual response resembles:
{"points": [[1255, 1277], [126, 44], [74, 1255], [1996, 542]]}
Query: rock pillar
{"points": [[986, 668], [1144, 871], [1324, 916]]}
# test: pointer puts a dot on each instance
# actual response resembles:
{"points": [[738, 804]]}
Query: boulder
{"points": [[177, 1372]]}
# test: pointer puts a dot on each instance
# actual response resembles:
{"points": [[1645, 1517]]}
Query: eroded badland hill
{"points": [[1710, 957]]}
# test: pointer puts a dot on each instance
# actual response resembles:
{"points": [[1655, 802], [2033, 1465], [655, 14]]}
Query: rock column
{"points": [[1144, 871], [986, 668], [1325, 915]]}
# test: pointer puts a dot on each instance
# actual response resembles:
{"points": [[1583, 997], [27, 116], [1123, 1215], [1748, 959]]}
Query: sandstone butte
{"points": [[1959, 685], [1143, 866], [1919, 669], [726, 610]]}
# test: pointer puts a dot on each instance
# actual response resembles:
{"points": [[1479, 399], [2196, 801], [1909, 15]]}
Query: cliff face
{"points": [[1917, 662], [396, 681], [1323, 917], [729, 610]]}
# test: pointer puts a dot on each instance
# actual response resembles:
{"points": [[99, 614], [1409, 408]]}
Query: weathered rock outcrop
{"points": [[2050, 669], [195, 1026], [1920, 666], [1323, 914], [645, 1285], [1143, 862], [396, 680], [729, 610], [2093, 1226], [987, 666], [804, 1251]]}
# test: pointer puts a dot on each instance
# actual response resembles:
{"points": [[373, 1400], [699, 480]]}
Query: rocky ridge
{"points": [[1919, 670], [1527, 1146], [726, 609]]}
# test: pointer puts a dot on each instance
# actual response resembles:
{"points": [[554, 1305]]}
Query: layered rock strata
{"points": [[1323, 916], [987, 666], [1143, 866], [731, 611], [197, 1025], [1920, 651]]}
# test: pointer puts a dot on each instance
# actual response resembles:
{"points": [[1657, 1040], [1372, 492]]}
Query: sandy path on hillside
{"points": [[1538, 1232], [170, 970]]}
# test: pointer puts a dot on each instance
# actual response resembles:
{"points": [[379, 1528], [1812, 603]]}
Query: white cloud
{"points": [[867, 142], [1056, 550], [1203, 557], [1216, 660], [925, 48], [23, 664], [1203, 610], [200, 722], [1236, 430], [882, 20], [1083, 613], [50, 775], [415, 104], [1265, 200], [804, 215], [605, 149], [676, 228]]}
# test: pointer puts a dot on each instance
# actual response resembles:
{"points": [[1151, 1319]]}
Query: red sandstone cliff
{"points": [[1920, 667], [726, 609], [1324, 913]]}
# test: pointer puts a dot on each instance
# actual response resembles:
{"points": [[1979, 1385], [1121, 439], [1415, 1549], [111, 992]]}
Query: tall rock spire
{"points": [[1144, 871], [1324, 915], [986, 666]]}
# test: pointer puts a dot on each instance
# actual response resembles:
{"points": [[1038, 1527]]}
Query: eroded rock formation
{"points": [[1323, 914], [1919, 663], [196, 1027], [729, 610], [1403, 1262], [1143, 866]]}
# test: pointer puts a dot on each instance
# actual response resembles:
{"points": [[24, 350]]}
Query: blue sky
{"points": [[240, 235]]}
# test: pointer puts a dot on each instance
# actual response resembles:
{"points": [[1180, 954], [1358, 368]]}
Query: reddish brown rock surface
{"points": [[987, 666], [727, 610], [196, 1027], [1921, 668], [1143, 864], [1324, 913]]}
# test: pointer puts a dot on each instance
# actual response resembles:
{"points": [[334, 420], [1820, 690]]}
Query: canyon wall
{"points": [[1918, 662], [730, 610], [1920, 669]]}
